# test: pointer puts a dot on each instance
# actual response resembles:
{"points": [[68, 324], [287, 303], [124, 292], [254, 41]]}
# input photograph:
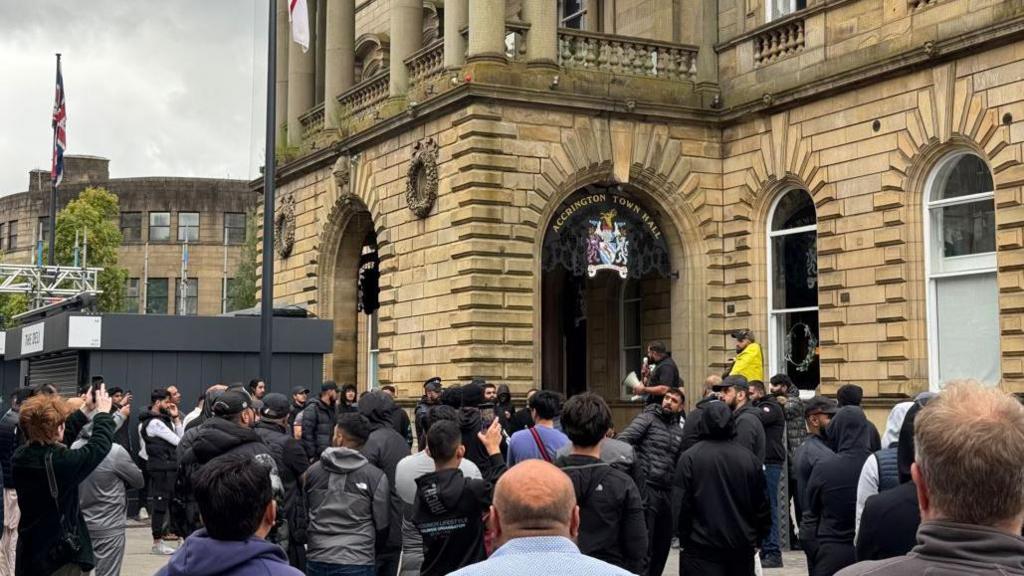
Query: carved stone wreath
{"points": [[421, 185], [284, 227]]}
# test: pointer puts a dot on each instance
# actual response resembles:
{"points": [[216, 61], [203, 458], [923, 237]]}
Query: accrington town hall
{"points": [[530, 191]]}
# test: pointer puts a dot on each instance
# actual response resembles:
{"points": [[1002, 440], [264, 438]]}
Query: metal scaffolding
{"points": [[48, 284]]}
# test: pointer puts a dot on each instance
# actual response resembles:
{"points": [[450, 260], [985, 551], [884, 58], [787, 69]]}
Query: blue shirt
{"points": [[522, 446], [540, 555]]}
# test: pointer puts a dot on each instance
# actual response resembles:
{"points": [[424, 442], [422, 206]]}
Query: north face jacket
{"points": [[348, 504], [658, 439], [612, 523]]}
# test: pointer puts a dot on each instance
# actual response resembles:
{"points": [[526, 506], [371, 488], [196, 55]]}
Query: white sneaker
{"points": [[143, 514], [162, 549]]}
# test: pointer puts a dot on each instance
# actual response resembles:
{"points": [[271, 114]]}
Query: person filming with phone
{"points": [[658, 375], [53, 537]]}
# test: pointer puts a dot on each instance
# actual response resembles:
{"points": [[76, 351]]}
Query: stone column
{"points": [[301, 78], [406, 38], [281, 85], [487, 31], [317, 40], [542, 39], [340, 50], [456, 16], [591, 20]]}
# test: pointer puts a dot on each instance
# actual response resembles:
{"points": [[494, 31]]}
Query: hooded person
{"points": [[431, 397], [384, 448], [832, 490], [880, 471], [503, 408], [720, 499], [471, 422], [889, 522], [348, 400], [853, 395]]}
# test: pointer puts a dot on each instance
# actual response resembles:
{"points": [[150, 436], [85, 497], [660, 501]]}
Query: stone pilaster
{"points": [[406, 38], [487, 31], [281, 85], [542, 39], [339, 74], [456, 16], [301, 72]]}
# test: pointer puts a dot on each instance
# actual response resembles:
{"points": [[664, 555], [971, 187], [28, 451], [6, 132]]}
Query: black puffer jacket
{"points": [[657, 438], [291, 464], [690, 436], [219, 437], [796, 427], [384, 448], [8, 444], [773, 419], [612, 524], [317, 428], [832, 488], [160, 452]]}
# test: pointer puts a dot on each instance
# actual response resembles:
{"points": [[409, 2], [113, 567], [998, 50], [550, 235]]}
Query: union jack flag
{"points": [[60, 119]]}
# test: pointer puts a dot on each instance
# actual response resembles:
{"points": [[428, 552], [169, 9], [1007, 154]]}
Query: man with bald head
{"points": [[535, 521]]}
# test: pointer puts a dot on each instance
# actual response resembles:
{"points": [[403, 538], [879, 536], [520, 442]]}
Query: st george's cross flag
{"points": [[60, 141], [298, 15]]}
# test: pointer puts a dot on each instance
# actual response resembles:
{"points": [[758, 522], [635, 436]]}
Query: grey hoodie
{"points": [[102, 494], [347, 500]]}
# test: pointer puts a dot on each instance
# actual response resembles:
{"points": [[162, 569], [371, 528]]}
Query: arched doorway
{"points": [[605, 290], [354, 302]]}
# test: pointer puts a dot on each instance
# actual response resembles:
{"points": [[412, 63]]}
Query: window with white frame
{"points": [[960, 237], [793, 289], [631, 329], [571, 13], [779, 8], [373, 339]]}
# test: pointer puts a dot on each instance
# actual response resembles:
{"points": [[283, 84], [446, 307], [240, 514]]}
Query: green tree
{"points": [[243, 292], [10, 306], [93, 216]]}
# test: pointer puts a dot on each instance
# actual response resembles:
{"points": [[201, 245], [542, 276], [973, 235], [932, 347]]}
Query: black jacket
{"points": [[773, 419], [9, 442], [39, 528], [796, 427], [612, 523], [219, 437], [888, 525], [420, 422], [690, 425], [291, 465], [832, 488], [449, 513], [813, 451], [665, 373], [521, 420], [749, 430], [470, 423], [317, 428], [657, 437], [720, 491], [384, 448], [294, 412], [160, 453], [400, 422]]}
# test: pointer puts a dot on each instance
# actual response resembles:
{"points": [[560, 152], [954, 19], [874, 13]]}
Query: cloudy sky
{"points": [[161, 88]]}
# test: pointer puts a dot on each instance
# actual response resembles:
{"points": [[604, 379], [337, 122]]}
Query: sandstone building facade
{"points": [[843, 177], [158, 215]]}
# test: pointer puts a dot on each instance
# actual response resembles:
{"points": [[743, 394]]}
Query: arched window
{"points": [[960, 236], [631, 327], [793, 289]]}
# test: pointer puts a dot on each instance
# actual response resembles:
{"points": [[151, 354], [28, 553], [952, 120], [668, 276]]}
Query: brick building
{"points": [[157, 216], [844, 177]]}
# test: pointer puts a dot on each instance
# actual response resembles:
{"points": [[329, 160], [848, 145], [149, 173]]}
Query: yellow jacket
{"points": [[749, 363]]}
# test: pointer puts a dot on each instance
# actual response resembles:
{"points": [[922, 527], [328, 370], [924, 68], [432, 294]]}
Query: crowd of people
{"points": [[259, 483]]}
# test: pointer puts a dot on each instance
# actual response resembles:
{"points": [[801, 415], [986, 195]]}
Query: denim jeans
{"points": [[772, 474], [314, 568]]}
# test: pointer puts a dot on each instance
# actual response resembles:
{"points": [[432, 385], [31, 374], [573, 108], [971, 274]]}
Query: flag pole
{"points": [[267, 291], [53, 191]]}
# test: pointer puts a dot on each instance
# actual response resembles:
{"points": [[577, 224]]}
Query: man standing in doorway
{"points": [[749, 362], [659, 375]]}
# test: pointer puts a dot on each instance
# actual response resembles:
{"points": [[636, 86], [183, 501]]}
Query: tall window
{"points": [[131, 226], [131, 296], [159, 226], [225, 298], [188, 227], [3, 236], [963, 341], [779, 8], [631, 327], [12, 234], [793, 289], [156, 296], [571, 13], [373, 371], [190, 288], [234, 228]]}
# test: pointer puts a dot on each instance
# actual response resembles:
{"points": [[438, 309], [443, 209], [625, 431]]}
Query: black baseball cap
{"points": [[299, 390], [232, 401], [819, 405], [329, 385], [275, 405], [734, 381]]}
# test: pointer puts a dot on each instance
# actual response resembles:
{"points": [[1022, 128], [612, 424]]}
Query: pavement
{"points": [[138, 560]]}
